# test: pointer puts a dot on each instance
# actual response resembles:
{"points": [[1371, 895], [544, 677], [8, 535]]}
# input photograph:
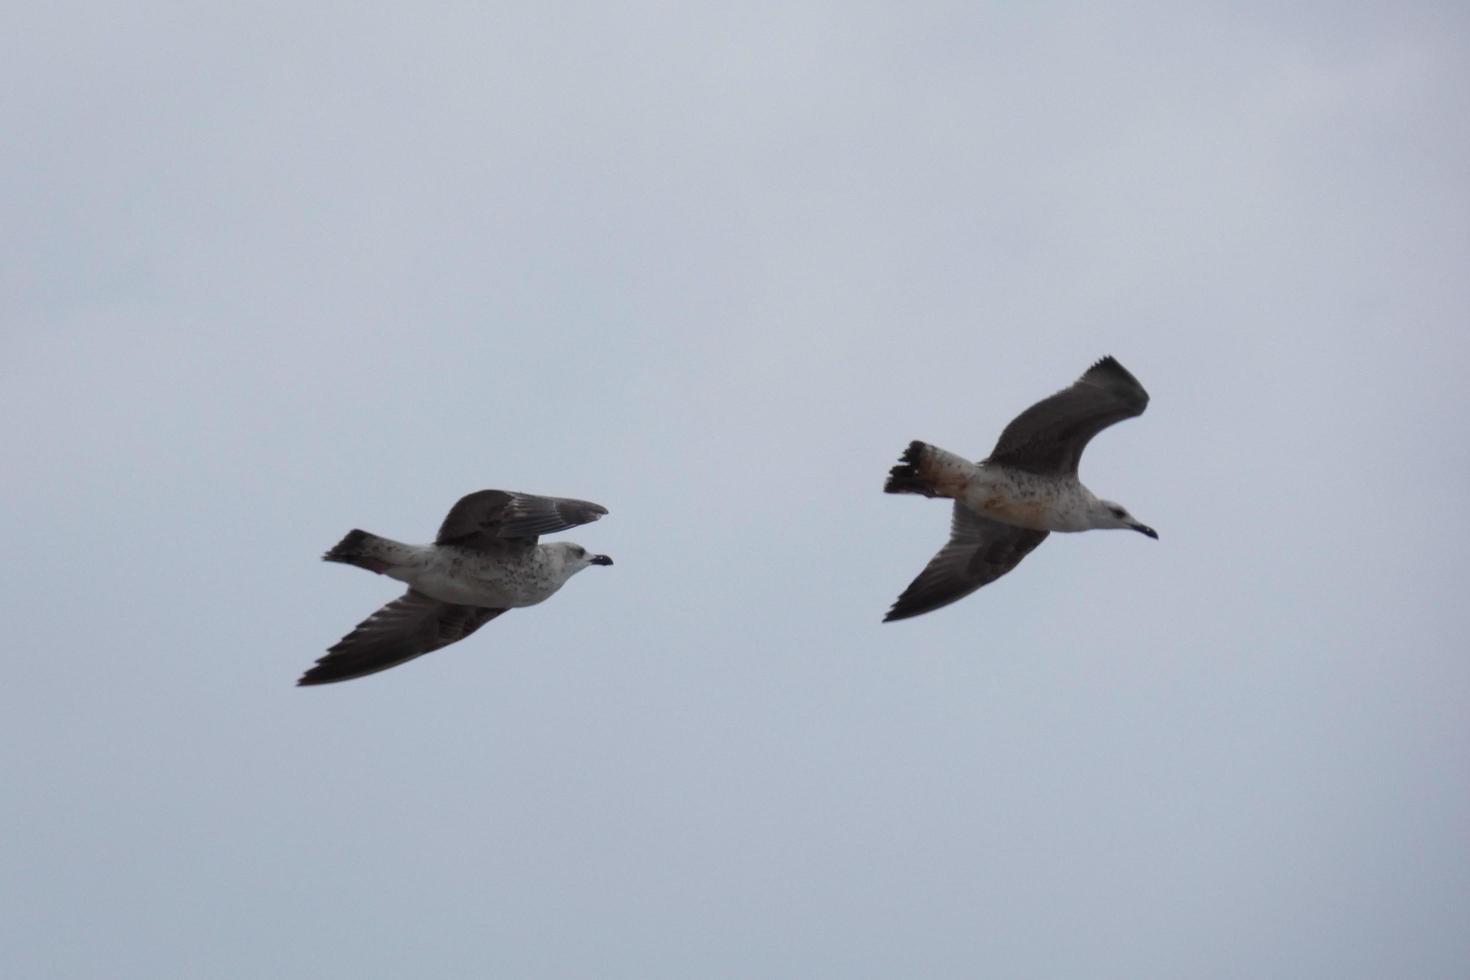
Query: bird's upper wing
{"points": [[979, 552], [490, 518], [407, 627], [1049, 436]]}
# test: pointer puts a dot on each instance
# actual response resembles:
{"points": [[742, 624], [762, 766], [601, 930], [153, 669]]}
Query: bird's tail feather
{"points": [[930, 471], [366, 550]]}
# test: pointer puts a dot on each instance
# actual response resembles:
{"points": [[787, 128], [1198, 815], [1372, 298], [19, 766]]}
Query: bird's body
{"points": [[504, 578], [485, 560], [1006, 504], [1004, 493]]}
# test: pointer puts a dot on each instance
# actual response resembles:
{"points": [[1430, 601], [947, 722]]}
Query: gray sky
{"points": [[270, 273]]}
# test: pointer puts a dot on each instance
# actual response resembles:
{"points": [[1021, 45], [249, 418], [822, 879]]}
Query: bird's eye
{"points": [[1117, 511], [581, 552]]}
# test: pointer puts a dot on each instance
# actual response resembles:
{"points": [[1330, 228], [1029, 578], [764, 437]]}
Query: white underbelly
{"points": [[508, 589]]}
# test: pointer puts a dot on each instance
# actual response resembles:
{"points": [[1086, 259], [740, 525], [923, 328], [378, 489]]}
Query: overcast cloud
{"points": [[271, 272]]}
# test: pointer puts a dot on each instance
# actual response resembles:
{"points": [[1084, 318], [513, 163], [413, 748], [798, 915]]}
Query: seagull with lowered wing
{"points": [[1008, 503], [485, 560]]}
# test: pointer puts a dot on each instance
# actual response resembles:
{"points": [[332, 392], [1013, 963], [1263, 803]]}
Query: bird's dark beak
{"points": [[601, 560], [1143, 529]]}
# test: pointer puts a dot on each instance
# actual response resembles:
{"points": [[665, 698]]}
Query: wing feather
{"points": [[979, 552], [1049, 436], [410, 626], [492, 518]]}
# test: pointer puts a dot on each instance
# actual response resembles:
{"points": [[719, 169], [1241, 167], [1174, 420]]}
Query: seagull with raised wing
{"points": [[1008, 503], [485, 561]]}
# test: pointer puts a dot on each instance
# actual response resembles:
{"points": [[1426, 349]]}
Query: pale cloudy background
{"points": [[272, 271]]}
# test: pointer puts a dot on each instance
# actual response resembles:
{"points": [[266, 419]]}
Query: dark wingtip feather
{"points": [[904, 608], [1109, 365], [331, 668], [335, 667], [1108, 373], [321, 674]]}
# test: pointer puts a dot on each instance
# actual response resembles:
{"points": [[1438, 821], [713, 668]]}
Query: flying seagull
{"points": [[1007, 504], [484, 561]]}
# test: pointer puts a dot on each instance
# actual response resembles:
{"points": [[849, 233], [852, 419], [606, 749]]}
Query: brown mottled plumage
{"points": [[1007, 504]]}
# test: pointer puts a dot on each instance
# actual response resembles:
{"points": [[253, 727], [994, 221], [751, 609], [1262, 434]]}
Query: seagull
{"points": [[484, 561], [1006, 505]]}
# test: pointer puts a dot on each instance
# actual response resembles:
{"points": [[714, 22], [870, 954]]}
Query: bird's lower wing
{"points": [[979, 552], [408, 627]]}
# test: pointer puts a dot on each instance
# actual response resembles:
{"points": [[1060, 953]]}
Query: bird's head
{"points": [[574, 557], [1106, 514]]}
